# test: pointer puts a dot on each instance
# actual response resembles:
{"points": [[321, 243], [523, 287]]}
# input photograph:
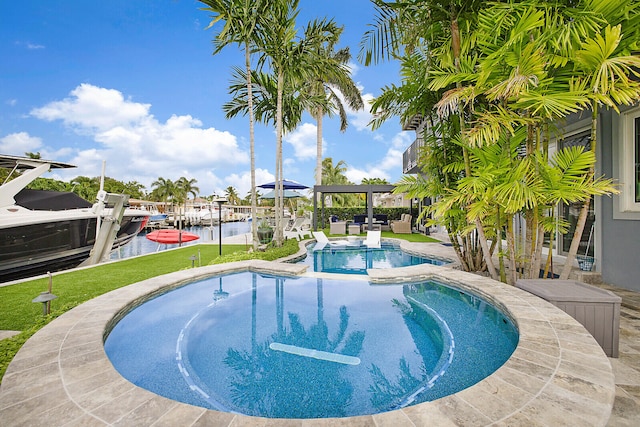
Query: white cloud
{"points": [[136, 146], [360, 119], [242, 182], [19, 143], [303, 139], [11, 102], [353, 68], [29, 45], [92, 108], [390, 162]]}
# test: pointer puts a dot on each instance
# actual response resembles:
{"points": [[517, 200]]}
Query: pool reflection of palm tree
{"points": [[386, 394], [258, 384]]}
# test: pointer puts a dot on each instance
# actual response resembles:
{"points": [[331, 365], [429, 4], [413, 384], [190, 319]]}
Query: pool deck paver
{"points": [[558, 374]]}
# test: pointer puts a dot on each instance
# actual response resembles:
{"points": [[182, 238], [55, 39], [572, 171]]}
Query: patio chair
{"points": [[305, 228], [299, 229], [338, 227], [373, 239], [402, 226], [322, 241]]}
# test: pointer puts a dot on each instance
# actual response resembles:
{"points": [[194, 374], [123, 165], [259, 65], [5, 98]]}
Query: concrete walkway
{"points": [[626, 368]]}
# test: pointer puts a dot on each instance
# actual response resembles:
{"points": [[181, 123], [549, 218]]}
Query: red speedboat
{"points": [[172, 236]]}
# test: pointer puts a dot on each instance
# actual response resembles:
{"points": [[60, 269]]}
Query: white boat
{"points": [[43, 231], [208, 214]]}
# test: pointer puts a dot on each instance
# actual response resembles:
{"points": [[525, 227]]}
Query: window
{"points": [[629, 163], [571, 211]]}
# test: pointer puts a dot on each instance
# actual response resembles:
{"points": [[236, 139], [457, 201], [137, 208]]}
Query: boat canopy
{"points": [[21, 163], [43, 200]]}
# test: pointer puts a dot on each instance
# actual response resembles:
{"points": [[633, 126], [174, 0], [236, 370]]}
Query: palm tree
{"points": [[374, 181], [335, 175], [329, 81], [241, 22], [515, 66], [232, 195], [85, 187], [292, 60], [163, 190], [416, 31], [606, 67], [184, 187]]}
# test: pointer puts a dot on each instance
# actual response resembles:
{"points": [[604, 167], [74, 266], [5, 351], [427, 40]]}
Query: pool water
{"points": [[307, 347], [356, 258]]}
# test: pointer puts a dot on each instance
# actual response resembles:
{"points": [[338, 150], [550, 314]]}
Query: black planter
{"points": [[265, 235]]}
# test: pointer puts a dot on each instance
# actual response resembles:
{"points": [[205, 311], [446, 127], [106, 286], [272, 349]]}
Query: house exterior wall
{"points": [[619, 231]]}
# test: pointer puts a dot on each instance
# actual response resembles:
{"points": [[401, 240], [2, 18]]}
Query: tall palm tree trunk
{"points": [[254, 199], [319, 151], [278, 187]]}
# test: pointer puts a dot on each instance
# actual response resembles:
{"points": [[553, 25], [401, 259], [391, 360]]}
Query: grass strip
{"points": [[75, 287]]}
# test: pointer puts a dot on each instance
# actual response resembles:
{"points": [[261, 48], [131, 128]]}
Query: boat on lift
{"points": [[43, 231]]}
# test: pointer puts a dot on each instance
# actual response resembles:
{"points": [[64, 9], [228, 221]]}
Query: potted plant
{"points": [[265, 231]]}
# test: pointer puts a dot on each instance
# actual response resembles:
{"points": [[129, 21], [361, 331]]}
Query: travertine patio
{"points": [[558, 375]]}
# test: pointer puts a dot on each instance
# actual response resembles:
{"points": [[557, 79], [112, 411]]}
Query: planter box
{"points": [[598, 310]]}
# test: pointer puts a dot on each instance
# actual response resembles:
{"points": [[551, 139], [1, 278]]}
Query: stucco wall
{"points": [[620, 238]]}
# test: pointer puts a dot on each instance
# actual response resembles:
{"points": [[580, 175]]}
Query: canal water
{"points": [[140, 245]]}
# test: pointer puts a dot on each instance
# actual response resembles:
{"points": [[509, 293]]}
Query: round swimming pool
{"points": [[355, 258], [307, 347]]}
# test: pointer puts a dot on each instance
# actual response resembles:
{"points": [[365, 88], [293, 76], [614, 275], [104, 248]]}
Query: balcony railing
{"points": [[410, 157]]}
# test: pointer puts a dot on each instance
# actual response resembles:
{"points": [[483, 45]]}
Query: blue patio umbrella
{"points": [[288, 194], [287, 184]]}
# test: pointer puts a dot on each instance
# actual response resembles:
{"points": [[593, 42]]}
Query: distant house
{"points": [[612, 232], [391, 200], [410, 159]]}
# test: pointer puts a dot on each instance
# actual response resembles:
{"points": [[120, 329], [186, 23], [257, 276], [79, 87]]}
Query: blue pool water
{"points": [[309, 348], [356, 258]]}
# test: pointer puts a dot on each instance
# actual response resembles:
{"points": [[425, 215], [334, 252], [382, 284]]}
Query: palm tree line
{"points": [[177, 192]]}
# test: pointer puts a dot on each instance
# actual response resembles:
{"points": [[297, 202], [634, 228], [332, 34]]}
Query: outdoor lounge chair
{"points": [[322, 241], [402, 226], [298, 230], [373, 239]]}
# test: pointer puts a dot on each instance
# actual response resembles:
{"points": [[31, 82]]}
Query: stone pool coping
{"points": [[558, 374]]}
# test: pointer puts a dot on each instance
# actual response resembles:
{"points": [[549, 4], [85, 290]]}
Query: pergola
{"points": [[354, 189]]}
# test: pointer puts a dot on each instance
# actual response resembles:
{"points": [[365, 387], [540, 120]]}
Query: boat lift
{"points": [[109, 226]]}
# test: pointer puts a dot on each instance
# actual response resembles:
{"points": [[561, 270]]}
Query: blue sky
{"points": [[134, 83]]}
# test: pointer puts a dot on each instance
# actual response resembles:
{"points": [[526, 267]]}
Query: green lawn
{"points": [[72, 288], [17, 312]]}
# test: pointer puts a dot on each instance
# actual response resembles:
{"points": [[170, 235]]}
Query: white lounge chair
{"points": [[323, 241], [373, 239], [297, 230]]}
